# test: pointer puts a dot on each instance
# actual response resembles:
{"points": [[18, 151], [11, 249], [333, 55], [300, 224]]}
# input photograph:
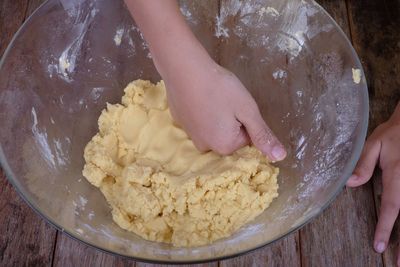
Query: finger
{"points": [[239, 140], [261, 135], [388, 212], [242, 139], [398, 256], [366, 164], [201, 146]]}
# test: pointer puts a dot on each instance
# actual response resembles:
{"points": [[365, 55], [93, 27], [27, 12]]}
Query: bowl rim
{"points": [[349, 167]]}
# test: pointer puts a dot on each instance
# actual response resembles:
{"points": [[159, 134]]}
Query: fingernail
{"points": [[278, 153], [380, 247]]}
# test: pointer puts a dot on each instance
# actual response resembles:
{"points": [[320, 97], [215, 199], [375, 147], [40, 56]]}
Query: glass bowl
{"points": [[72, 56]]}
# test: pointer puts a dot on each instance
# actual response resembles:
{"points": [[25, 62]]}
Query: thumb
{"points": [[366, 164], [261, 135]]}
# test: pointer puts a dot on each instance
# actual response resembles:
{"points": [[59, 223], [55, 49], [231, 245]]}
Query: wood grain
{"points": [[338, 11], [140, 264], [33, 5], [376, 35], [12, 14], [392, 253], [342, 235], [278, 254], [70, 252], [26, 239]]}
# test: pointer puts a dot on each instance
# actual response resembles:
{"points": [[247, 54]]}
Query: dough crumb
{"points": [[160, 186], [118, 36], [279, 74], [356, 75]]}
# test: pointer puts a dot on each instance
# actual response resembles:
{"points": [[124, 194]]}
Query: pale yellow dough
{"points": [[163, 189]]}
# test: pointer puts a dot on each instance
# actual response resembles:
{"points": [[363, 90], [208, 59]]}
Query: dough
{"points": [[356, 75], [160, 186]]}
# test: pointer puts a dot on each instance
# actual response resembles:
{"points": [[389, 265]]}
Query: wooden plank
{"points": [[376, 36], [26, 239], [278, 254], [338, 11], [33, 5], [70, 252], [391, 255], [213, 264], [342, 235], [12, 14]]}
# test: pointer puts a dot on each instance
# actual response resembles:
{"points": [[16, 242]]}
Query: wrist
{"points": [[186, 60]]}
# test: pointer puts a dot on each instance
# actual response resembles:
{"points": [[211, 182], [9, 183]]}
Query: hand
{"points": [[383, 145], [209, 102], [218, 113]]}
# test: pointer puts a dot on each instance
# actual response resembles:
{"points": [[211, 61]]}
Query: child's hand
{"points": [[210, 103], [218, 112], [383, 145]]}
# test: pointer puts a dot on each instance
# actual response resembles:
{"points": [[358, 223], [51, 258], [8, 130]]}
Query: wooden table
{"points": [[341, 236]]}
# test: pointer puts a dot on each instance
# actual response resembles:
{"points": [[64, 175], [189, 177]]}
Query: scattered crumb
{"points": [[118, 36], [220, 29], [356, 75], [83, 201], [91, 215], [279, 74]]}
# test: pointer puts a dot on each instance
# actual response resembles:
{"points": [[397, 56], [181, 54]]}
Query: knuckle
{"points": [[225, 142], [223, 150], [200, 146], [263, 137], [250, 109], [223, 146], [383, 231]]}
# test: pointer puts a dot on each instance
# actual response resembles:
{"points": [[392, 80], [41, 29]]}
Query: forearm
{"points": [[173, 46]]}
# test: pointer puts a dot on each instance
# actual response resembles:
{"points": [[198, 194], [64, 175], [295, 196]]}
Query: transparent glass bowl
{"points": [[73, 56]]}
